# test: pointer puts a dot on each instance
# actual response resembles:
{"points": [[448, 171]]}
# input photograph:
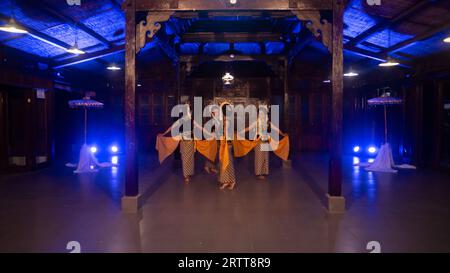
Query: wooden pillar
{"points": [[131, 172], [286, 97], [3, 132], [418, 124], [32, 139], [286, 114], [179, 67], [438, 123], [336, 202]]}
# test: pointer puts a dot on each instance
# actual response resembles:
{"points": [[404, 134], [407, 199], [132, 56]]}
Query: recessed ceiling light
{"points": [[447, 40], [326, 81]]}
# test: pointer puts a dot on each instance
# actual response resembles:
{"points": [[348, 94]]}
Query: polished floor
{"points": [[404, 212]]}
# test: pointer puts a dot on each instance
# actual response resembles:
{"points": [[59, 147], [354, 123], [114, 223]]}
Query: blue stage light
{"points": [[93, 149], [372, 150], [114, 171], [356, 149], [115, 160], [114, 149]]}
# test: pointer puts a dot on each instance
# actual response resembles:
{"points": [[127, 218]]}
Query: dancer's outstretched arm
{"points": [[176, 123], [273, 127], [248, 128], [205, 132]]}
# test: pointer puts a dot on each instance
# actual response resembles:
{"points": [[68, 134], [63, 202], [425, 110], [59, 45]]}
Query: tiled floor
{"points": [[407, 212]]}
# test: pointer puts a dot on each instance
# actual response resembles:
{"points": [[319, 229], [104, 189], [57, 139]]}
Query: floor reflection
{"points": [[45, 210]]}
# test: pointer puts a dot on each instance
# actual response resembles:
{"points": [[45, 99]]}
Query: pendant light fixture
{"points": [[113, 65], [351, 73], [12, 26], [74, 49], [389, 61], [227, 78]]}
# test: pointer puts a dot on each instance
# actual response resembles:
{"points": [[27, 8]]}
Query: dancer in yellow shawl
{"points": [[262, 139], [227, 178], [210, 164], [187, 147]]}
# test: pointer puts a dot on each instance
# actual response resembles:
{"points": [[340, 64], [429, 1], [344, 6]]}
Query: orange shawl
{"points": [[243, 147], [165, 146], [207, 148], [281, 148], [224, 156]]}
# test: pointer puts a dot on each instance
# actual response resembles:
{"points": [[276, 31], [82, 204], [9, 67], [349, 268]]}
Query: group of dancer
{"points": [[224, 144]]}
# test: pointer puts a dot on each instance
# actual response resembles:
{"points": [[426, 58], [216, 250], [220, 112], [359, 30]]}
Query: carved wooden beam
{"points": [[319, 27], [149, 27], [227, 37], [199, 5], [198, 59]]}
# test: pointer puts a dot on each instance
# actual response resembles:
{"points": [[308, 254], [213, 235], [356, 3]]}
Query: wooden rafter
{"points": [[166, 46], [420, 37], [45, 8], [408, 13], [254, 5], [197, 59], [39, 35], [240, 13], [371, 55], [298, 48], [204, 37], [67, 56], [365, 53], [88, 57]]}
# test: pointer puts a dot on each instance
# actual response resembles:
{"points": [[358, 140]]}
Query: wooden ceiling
{"points": [[405, 29]]}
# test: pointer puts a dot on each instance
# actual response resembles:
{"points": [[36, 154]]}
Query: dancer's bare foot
{"points": [[231, 186], [208, 170], [187, 180], [261, 177], [223, 186], [214, 170]]}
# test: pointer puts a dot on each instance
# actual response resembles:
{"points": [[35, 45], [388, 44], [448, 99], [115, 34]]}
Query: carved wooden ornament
{"points": [[319, 27], [150, 27]]}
